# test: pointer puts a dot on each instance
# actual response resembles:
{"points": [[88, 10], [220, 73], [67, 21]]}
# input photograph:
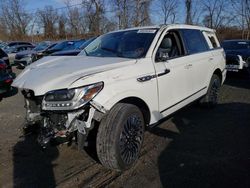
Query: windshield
{"points": [[127, 44], [86, 43], [11, 49], [236, 45], [60, 45], [41, 46], [78, 44], [68, 45]]}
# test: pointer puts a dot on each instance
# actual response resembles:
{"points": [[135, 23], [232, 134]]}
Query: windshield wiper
{"points": [[109, 50]]}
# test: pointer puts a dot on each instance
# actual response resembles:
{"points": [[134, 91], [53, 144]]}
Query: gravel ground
{"points": [[196, 147]]}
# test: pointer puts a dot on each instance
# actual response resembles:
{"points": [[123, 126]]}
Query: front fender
{"points": [[108, 100]]}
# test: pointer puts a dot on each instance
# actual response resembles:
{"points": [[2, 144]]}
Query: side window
{"points": [[212, 40], [194, 41], [170, 47]]}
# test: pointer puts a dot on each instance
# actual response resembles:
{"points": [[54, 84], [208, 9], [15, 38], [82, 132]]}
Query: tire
{"points": [[211, 98], [120, 137]]}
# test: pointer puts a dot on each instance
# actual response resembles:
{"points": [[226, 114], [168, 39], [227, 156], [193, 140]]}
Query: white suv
{"points": [[121, 83]]}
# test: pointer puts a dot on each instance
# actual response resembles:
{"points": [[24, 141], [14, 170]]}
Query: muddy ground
{"points": [[196, 147]]}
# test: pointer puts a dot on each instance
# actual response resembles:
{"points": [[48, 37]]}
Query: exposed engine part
{"points": [[81, 126], [46, 134], [61, 124], [33, 107]]}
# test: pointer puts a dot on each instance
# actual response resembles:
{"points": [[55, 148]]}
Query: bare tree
{"points": [[62, 21], [48, 18], [169, 10], [242, 16], [123, 12], [215, 13], [3, 30], [95, 11], [141, 12], [73, 16], [15, 18], [188, 11]]}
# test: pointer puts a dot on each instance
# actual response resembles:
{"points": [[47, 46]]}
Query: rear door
{"points": [[215, 48], [199, 57]]}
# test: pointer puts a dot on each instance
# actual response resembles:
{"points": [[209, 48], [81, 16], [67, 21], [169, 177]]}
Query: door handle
{"points": [[188, 66], [166, 71], [211, 59]]}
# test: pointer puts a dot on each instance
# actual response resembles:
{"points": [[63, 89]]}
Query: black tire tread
{"points": [[204, 101], [106, 134]]}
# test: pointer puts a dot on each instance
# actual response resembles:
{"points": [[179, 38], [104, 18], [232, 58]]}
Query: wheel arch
{"points": [[218, 72], [141, 104]]}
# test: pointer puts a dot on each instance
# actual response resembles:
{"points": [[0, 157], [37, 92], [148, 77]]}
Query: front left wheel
{"points": [[120, 137]]}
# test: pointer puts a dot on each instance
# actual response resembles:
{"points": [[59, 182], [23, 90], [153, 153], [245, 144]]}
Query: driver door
{"points": [[173, 74]]}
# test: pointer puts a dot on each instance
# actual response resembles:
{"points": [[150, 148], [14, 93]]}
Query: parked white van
{"points": [[121, 83]]}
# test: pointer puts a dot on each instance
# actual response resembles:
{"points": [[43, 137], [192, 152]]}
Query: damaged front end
{"points": [[63, 114]]}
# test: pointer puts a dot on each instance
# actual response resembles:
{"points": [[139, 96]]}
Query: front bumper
{"points": [[59, 125], [237, 64]]}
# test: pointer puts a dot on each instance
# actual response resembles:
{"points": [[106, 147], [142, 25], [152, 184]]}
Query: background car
{"points": [[75, 51], [16, 43], [3, 44], [237, 54], [26, 57], [5, 58], [65, 45], [15, 49], [6, 78]]}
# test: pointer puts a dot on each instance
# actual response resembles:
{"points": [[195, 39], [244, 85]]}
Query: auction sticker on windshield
{"points": [[146, 31]]}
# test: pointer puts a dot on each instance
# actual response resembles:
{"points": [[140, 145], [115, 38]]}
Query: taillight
{"points": [[8, 81], [3, 66]]}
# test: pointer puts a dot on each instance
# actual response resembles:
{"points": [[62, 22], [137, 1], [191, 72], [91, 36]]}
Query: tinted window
{"points": [[236, 45], [41, 46], [194, 41], [127, 44], [66, 45]]}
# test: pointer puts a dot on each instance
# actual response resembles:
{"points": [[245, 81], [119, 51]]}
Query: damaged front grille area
{"points": [[59, 126], [33, 106]]}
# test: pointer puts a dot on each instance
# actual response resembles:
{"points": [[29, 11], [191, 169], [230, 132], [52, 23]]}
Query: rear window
{"points": [[194, 41]]}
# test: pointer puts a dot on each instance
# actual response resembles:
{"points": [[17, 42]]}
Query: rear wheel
{"points": [[211, 98], [120, 137]]}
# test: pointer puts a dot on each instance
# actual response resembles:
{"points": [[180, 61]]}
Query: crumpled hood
{"points": [[53, 72]]}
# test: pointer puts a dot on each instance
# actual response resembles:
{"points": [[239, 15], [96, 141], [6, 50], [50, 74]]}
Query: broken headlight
{"points": [[70, 99]]}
